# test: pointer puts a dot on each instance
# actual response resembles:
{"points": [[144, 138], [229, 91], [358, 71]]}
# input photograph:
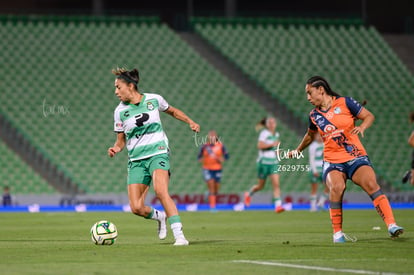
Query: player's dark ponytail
{"points": [[261, 124], [318, 81]]}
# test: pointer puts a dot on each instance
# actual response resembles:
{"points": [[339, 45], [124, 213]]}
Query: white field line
{"points": [[319, 268]]}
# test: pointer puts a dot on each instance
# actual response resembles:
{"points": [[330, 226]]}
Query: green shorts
{"points": [[265, 170], [140, 171]]}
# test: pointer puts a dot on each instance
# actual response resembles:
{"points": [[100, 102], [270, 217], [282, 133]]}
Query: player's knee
{"points": [[337, 189], [138, 209], [162, 195]]}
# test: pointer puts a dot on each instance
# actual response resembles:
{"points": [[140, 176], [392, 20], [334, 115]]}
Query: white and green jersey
{"points": [[268, 156], [142, 126], [316, 157]]}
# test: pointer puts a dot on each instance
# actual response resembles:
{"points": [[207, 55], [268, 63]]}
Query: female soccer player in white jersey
{"points": [[267, 162], [315, 173], [138, 127]]}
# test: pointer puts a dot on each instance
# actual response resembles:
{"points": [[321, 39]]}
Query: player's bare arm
{"points": [[367, 119], [307, 139], [180, 115], [411, 140], [263, 146], [118, 146]]}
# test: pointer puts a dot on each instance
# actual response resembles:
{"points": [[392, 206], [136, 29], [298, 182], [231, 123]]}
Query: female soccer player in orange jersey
{"points": [[212, 155], [344, 156]]}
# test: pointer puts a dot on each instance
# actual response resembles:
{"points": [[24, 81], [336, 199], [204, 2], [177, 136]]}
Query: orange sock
{"points": [[212, 201], [383, 207], [336, 219]]}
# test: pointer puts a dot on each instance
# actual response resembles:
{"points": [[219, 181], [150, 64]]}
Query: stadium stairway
{"points": [[403, 45], [33, 157], [243, 81]]}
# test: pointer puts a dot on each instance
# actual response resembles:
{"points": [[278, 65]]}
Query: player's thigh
{"points": [[365, 177]]}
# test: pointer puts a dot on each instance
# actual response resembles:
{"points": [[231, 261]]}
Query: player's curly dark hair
{"points": [[127, 76]]}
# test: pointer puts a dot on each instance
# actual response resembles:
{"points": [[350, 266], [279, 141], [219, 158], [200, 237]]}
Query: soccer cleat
{"points": [[406, 177], [162, 226], [247, 199], [395, 230], [340, 237], [279, 209], [181, 241]]}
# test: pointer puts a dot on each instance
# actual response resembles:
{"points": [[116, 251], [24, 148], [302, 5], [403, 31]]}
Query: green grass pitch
{"points": [[296, 242]]}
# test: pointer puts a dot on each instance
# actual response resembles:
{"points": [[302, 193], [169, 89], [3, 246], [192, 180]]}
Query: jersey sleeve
{"points": [[200, 153], [162, 104], [312, 125], [225, 152], [354, 106], [263, 136], [118, 124]]}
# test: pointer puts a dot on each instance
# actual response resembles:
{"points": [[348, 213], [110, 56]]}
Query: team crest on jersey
{"points": [[337, 110], [150, 106]]}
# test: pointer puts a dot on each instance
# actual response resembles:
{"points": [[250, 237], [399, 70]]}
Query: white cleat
{"points": [[181, 241], [162, 226]]}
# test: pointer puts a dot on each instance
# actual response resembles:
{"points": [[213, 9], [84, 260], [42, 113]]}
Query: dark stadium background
{"points": [[387, 16]]}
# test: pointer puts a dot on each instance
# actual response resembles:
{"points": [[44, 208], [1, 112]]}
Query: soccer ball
{"points": [[104, 233]]}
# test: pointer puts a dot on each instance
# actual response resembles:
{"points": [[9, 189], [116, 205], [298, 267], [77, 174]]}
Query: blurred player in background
{"points": [[212, 156], [316, 163], [138, 127], [6, 197], [267, 162], [344, 155], [408, 176]]}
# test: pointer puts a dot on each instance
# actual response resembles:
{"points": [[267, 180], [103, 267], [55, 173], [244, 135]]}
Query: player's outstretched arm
{"points": [[118, 146], [307, 139], [180, 115]]}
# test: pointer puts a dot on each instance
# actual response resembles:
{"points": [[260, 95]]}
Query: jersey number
{"points": [[141, 118]]}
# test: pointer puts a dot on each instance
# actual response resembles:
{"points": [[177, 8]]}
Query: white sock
{"points": [[322, 200], [177, 229], [313, 201], [277, 202], [157, 215]]}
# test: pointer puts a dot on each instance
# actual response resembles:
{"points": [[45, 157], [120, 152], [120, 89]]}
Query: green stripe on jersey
{"points": [[148, 150]]}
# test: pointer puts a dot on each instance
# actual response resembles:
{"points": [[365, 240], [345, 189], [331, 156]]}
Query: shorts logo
{"points": [[150, 106], [162, 163], [337, 110]]}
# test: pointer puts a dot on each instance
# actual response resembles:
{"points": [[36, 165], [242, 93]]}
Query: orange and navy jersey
{"points": [[210, 153], [334, 126]]}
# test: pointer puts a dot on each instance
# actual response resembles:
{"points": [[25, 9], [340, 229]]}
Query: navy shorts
{"points": [[348, 167], [212, 174]]}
